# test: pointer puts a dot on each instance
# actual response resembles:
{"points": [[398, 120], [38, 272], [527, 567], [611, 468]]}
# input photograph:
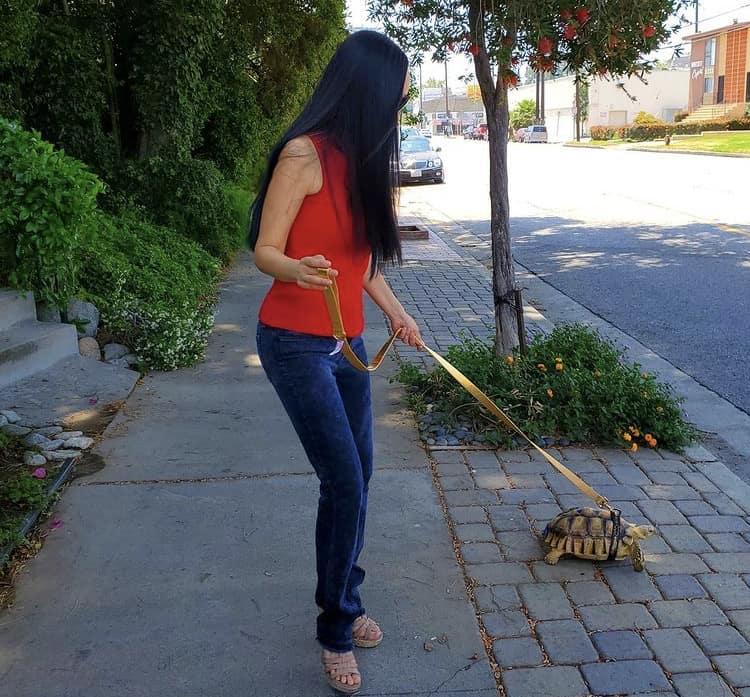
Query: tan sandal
{"points": [[365, 632], [338, 666]]}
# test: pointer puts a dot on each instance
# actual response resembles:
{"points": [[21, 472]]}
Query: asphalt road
{"points": [[658, 245]]}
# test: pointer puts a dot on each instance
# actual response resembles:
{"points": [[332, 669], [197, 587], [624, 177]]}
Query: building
{"points": [[612, 102], [461, 112], [720, 69]]}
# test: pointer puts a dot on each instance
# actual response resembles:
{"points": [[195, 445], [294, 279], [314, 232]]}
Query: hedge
{"points": [[655, 131]]}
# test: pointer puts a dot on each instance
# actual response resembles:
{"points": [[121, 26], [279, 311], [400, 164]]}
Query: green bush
{"points": [[47, 205], [643, 117], [155, 289], [593, 397], [654, 131], [189, 195], [680, 116]]}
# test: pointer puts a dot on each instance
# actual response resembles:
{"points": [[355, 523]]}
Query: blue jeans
{"points": [[328, 402]]}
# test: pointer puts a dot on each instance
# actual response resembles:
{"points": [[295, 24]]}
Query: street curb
{"points": [[689, 152]]}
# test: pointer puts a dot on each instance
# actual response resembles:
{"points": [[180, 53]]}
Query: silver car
{"points": [[419, 162], [535, 134]]}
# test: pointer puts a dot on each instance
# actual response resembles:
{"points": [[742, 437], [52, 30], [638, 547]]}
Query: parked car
{"points": [[479, 132], [518, 134], [419, 162], [535, 134], [410, 132], [468, 132], [425, 132]]}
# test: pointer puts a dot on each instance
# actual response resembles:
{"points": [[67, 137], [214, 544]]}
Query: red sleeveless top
{"points": [[323, 225]]}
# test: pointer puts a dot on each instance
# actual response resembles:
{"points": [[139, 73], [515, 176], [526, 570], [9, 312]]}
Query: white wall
{"points": [[666, 92]]}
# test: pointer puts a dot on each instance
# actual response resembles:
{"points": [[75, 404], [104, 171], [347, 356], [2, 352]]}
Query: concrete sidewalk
{"points": [[186, 566]]}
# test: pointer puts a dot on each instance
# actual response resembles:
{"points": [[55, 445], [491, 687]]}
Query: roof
{"points": [[720, 30], [455, 104]]}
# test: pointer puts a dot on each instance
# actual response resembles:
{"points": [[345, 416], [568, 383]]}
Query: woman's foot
{"points": [[365, 632], [341, 671]]}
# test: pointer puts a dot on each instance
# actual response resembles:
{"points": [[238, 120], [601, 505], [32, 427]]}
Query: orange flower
{"points": [[634, 448], [627, 437], [558, 366], [652, 442], [550, 393], [598, 373], [636, 432], [660, 410], [558, 360], [509, 360], [631, 429], [542, 367], [648, 436]]}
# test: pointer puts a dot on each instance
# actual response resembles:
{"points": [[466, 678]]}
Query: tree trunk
{"points": [[495, 98]]}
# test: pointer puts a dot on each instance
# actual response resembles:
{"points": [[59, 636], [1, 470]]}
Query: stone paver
{"points": [[680, 587], [630, 587], [566, 641], [687, 613], [545, 601], [548, 681], [735, 669], [733, 563], [500, 572], [638, 676], [622, 616], [718, 639], [475, 532], [729, 591], [662, 512], [701, 685], [684, 539], [506, 623], [523, 652], [676, 651], [589, 593], [621, 645]]}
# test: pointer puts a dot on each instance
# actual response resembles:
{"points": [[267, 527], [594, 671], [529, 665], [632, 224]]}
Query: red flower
{"points": [[570, 32], [547, 64], [408, 3], [582, 15], [473, 49], [506, 41], [515, 60], [467, 36], [513, 79], [565, 14], [451, 46], [649, 30], [545, 46]]}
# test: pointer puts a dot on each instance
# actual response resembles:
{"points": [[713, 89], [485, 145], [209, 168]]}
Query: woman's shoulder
{"points": [[299, 159]]}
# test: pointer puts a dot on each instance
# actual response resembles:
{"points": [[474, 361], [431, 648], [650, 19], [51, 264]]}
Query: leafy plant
{"points": [[155, 289], [523, 114], [47, 204], [572, 383]]}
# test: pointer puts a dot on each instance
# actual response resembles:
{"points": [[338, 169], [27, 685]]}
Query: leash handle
{"points": [[334, 310]]}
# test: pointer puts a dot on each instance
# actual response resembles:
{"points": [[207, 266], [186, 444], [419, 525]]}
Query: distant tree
{"points": [[523, 114], [433, 82]]}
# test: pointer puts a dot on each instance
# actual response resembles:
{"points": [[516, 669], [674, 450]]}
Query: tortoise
{"points": [[595, 533]]}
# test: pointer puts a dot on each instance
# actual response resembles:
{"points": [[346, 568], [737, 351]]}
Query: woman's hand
{"points": [[308, 276], [409, 331]]}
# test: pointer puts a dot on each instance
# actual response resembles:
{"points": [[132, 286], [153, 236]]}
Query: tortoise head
{"points": [[641, 532]]}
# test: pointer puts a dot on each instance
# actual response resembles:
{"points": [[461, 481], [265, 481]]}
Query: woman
{"points": [[327, 202]]}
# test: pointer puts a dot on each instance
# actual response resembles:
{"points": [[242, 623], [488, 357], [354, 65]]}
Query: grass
{"points": [[597, 143], [241, 200], [712, 142]]}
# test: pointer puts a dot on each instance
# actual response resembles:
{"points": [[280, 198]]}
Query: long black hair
{"points": [[356, 104]]}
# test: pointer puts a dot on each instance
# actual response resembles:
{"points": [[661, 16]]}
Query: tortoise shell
{"points": [[590, 533]]}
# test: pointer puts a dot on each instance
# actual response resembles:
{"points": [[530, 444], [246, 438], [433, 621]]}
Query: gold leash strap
{"points": [[337, 322]]}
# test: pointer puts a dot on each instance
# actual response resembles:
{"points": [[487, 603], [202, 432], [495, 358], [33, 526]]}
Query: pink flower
{"points": [[55, 523], [39, 473]]}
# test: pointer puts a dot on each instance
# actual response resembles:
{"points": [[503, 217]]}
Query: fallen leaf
{"points": [[428, 646]]}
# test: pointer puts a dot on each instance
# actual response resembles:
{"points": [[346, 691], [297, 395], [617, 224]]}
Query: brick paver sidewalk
{"points": [[680, 628]]}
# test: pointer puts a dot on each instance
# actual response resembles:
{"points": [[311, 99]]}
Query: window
{"points": [[708, 85], [710, 57]]}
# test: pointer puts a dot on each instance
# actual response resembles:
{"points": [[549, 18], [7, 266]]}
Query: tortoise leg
{"points": [[553, 556], [637, 556]]}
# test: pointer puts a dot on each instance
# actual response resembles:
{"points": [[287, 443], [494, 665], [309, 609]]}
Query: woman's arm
{"points": [[379, 290], [296, 175]]}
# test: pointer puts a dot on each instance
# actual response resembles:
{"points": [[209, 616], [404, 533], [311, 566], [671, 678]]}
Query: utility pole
{"points": [[578, 109], [696, 16], [447, 110], [420, 94]]}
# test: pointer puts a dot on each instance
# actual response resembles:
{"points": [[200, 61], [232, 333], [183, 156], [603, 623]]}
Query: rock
{"points": [[131, 359], [452, 440], [441, 441], [33, 459], [37, 440], [85, 316], [13, 430], [112, 351], [118, 363], [81, 443], [88, 347], [430, 441], [55, 444], [49, 430], [564, 442], [11, 416], [59, 455], [3, 420], [67, 435], [47, 313]]}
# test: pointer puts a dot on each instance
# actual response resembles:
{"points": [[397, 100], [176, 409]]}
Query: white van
{"points": [[535, 134]]}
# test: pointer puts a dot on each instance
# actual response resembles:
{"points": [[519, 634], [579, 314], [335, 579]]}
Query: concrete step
{"points": [[15, 308], [30, 346]]}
